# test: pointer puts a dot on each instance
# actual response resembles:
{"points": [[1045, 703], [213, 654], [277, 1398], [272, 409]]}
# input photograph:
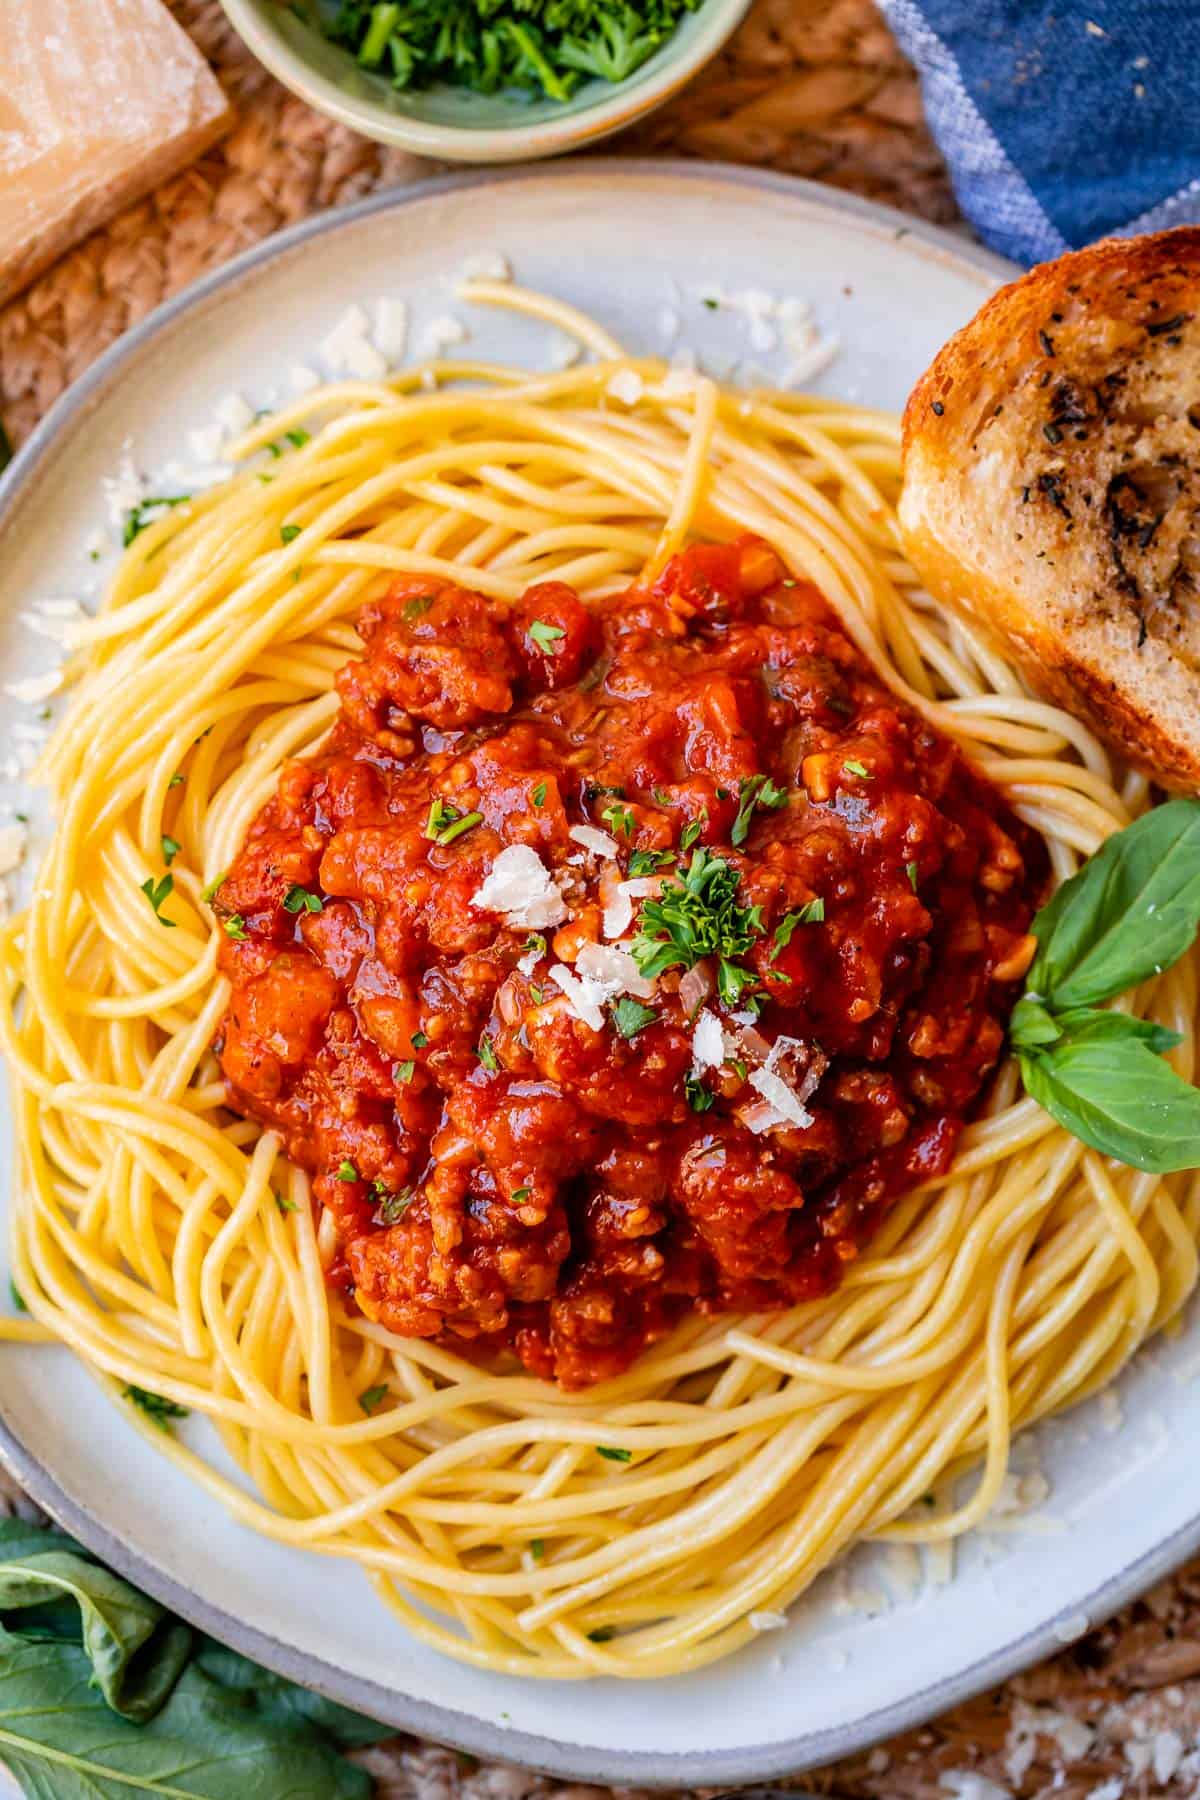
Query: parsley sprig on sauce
{"points": [[696, 916]]}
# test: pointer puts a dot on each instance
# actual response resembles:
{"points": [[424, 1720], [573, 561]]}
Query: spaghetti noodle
{"points": [[171, 1247]]}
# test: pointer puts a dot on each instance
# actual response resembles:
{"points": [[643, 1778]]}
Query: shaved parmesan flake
{"points": [[593, 839], [35, 688], [613, 969], [520, 886], [708, 1042], [776, 1092], [302, 380], [348, 348], [585, 998], [54, 619], [441, 334], [234, 414], [124, 490], [626, 386], [391, 329], [619, 898], [205, 444], [766, 1621]]}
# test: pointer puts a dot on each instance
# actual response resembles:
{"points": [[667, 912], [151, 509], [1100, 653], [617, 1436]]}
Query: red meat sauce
{"points": [[502, 1175]]}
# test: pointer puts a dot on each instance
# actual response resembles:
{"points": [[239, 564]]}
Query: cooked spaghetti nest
{"points": [[172, 1248]]}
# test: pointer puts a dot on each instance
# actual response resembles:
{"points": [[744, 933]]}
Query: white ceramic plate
{"points": [[626, 241]]}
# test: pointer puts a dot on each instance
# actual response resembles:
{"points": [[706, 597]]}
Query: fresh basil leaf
{"points": [[1130, 912], [1031, 1025], [283, 1701], [1120, 1097], [1088, 1024], [136, 1650], [62, 1742], [101, 1697]]}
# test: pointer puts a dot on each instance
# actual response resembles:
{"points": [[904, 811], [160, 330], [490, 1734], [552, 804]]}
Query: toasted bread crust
{"points": [[1052, 487]]}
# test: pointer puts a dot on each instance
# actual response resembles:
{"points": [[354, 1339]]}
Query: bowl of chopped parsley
{"points": [[485, 80]]}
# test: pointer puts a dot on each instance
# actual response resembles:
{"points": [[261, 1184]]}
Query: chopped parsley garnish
{"points": [[372, 1398], [691, 832], [546, 636], [612, 1455], [392, 1207], [696, 916], [811, 913], [301, 899], [235, 927], [209, 894], [537, 1548], [485, 1050], [630, 1016], [158, 891], [156, 1406], [911, 870], [602, 1634], [758, 790], [297, 437], [698, 1097], [539, 794], [170, 848], [660, 796], [176, 779], [711, 303], [520, 1195], [14, 1294], [445, 822], [145, 513], [289, 533], [649, 862], [620, 818], [857, 768], [536, 994], [419, 1040], [535, 944], [404, 1071], [347, 1170], [283, 1203], [416, 608]]}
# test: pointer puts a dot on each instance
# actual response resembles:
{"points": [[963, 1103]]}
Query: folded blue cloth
{"points": [[1061, 123]]}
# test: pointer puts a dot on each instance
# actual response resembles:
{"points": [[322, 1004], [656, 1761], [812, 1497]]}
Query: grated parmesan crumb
{"points": [[35, 688], [766, 1621], [441, 334], [391, 329]]}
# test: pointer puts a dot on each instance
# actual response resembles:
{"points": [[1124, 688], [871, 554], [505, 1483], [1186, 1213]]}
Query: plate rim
{"points": [[444, 1724]]}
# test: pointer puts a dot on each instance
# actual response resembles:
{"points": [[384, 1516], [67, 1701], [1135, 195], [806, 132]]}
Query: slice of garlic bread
{"points": [[1052, 487]]}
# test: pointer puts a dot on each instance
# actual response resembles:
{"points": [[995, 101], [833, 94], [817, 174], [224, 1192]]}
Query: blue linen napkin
{"points": [[1061, 123]]}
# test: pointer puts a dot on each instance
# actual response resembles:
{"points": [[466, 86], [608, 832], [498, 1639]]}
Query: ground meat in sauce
{"points": [[504, 1176]]}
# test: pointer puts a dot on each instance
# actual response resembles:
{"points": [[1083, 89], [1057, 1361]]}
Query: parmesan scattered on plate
{"points": [[348, 348], [441, 334], [35, 688], [391, 329]]}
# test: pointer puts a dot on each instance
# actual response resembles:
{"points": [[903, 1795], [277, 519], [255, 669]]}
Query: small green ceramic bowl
{"points": [[456, 125]]}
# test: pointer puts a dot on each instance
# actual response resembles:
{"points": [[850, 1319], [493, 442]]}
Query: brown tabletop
{"points": [[816, 88]]}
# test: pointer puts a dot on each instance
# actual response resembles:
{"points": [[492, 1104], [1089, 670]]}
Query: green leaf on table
{"points": [[105, 1696]]}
